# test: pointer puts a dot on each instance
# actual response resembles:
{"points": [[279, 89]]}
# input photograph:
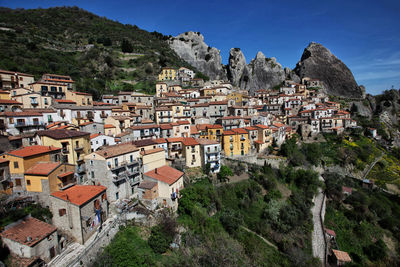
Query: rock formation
{"points": [[318, 62], [190, 46]]}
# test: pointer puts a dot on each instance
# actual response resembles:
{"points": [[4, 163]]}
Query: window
{"points": [[117, 195], [131, 158], [11, 120], [53, 89], [18, 182], [62, 212], [77, 143], [16, 165], [60, 89], [28, 182]]}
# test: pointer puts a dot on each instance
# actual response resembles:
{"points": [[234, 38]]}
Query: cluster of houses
{"points": [[80, 157]]}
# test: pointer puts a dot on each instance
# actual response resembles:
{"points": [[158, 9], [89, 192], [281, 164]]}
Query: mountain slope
{"points": [[72, 41]]}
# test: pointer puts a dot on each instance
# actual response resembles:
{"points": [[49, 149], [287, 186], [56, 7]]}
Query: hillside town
{"points": [[88, 160]]}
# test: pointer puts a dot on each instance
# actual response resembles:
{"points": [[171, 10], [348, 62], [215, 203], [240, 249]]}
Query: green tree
{"points": [[223, 174], [126, 46]]}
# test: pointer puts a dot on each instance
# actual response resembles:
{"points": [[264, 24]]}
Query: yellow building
{"points": [[110, 130], [239, 98], [153, 158], [33, 100], [265, 137], [12, 79], [54, 90], [208, 91], [4, 95], [161, 88], [167, 74], [75, 144], [236, 142], [49, 177], [81, 99], [22, 159]]}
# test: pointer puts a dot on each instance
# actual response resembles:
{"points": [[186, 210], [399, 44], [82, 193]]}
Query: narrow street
{"points": [[318, 241]]}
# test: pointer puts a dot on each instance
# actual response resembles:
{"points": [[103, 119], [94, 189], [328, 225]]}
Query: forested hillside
{"points": [[72, 41]]}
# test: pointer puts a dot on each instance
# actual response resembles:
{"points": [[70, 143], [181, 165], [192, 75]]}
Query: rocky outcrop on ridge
{"points": [[318, 62], [190, 46]]}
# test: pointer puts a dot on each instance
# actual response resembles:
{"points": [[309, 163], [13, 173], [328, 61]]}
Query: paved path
{"points": [[262, 238], [318, 241], [372, 165]]}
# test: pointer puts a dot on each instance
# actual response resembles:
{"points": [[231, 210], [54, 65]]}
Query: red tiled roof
{"points": [[80, 194], [32, 150], [347, 189], [20, 114], [330, 232], [160, 140], [81, 93], [64, 101], [239, 131], [85, 123], [151, 151], [165, 126], [341, 255], [62, 133], [228, 132], [108, 126], [65, 174], [116, 150], [94, 135], [165, 174], [146, 126], [250, 128], [3, 160], [8, 101], [193, 129], [147, 185], [43, 168], [29, 229], [174, 139], [183, 122], [190, 141]]}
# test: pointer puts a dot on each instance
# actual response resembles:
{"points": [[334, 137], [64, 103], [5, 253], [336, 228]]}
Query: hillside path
{"points": [[262, 238]]}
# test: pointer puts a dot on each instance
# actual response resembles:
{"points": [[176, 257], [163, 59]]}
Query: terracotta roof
{"points": [[140, 127], [250, 128], [193, 129], [165, 126], [108, 126], [116, 150], [341, 255], [174, 139], [330, 232], [183, 122], [190, 141], [20, 114], [151, 151], [228, 132], [147, 185], [80, 194], [160, 140], [165, 174], [144, 142], [8, 101], [65, 174], [32, 150], [43, 168], [94, 135], [3, 160], [224, 102], [62, 133], [81, 93], [28, 231], [239, 131], [347, 189]]}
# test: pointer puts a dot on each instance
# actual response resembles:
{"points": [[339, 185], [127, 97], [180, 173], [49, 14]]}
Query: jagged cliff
{"points": [[318, 62], [190, 46]]}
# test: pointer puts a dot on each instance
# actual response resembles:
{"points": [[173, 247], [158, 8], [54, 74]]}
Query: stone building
{"points": [[79, 210]]}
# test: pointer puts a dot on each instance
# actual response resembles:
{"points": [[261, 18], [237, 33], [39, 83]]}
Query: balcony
{"points": [[119, 178], [242, 138], [79, 148], [34, 103], [103, 116], [80, 160], [22, 125], [81, 169], [176, 148], [65, 150], [116, 167]]}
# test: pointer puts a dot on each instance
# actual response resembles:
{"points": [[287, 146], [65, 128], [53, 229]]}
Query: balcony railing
{"points": [[65, 150], [20, 124], [79, 148]]}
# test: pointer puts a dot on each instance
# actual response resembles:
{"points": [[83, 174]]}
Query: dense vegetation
{"points": [[72, 41], [366, 222], [225, 225]]}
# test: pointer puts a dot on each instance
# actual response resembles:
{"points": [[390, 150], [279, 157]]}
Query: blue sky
{"points": [[365, 35]]}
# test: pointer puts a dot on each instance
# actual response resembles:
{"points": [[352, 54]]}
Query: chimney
{"points": [[155, 170]]}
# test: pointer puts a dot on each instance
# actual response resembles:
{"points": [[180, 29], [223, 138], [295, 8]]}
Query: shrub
{"points": [[159, 241]]}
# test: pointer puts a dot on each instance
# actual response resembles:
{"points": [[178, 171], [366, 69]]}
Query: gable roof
{"points": [[80, 194], [62, 133], [43, 168], [116, 150], [165, 174], [33, 150], [29, 231], [151, 151]]}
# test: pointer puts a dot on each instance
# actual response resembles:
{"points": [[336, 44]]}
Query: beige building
{"points": [[12, 79], [80, 98], [191, 152], [169, 180], [33, 100], [153, 158]]}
